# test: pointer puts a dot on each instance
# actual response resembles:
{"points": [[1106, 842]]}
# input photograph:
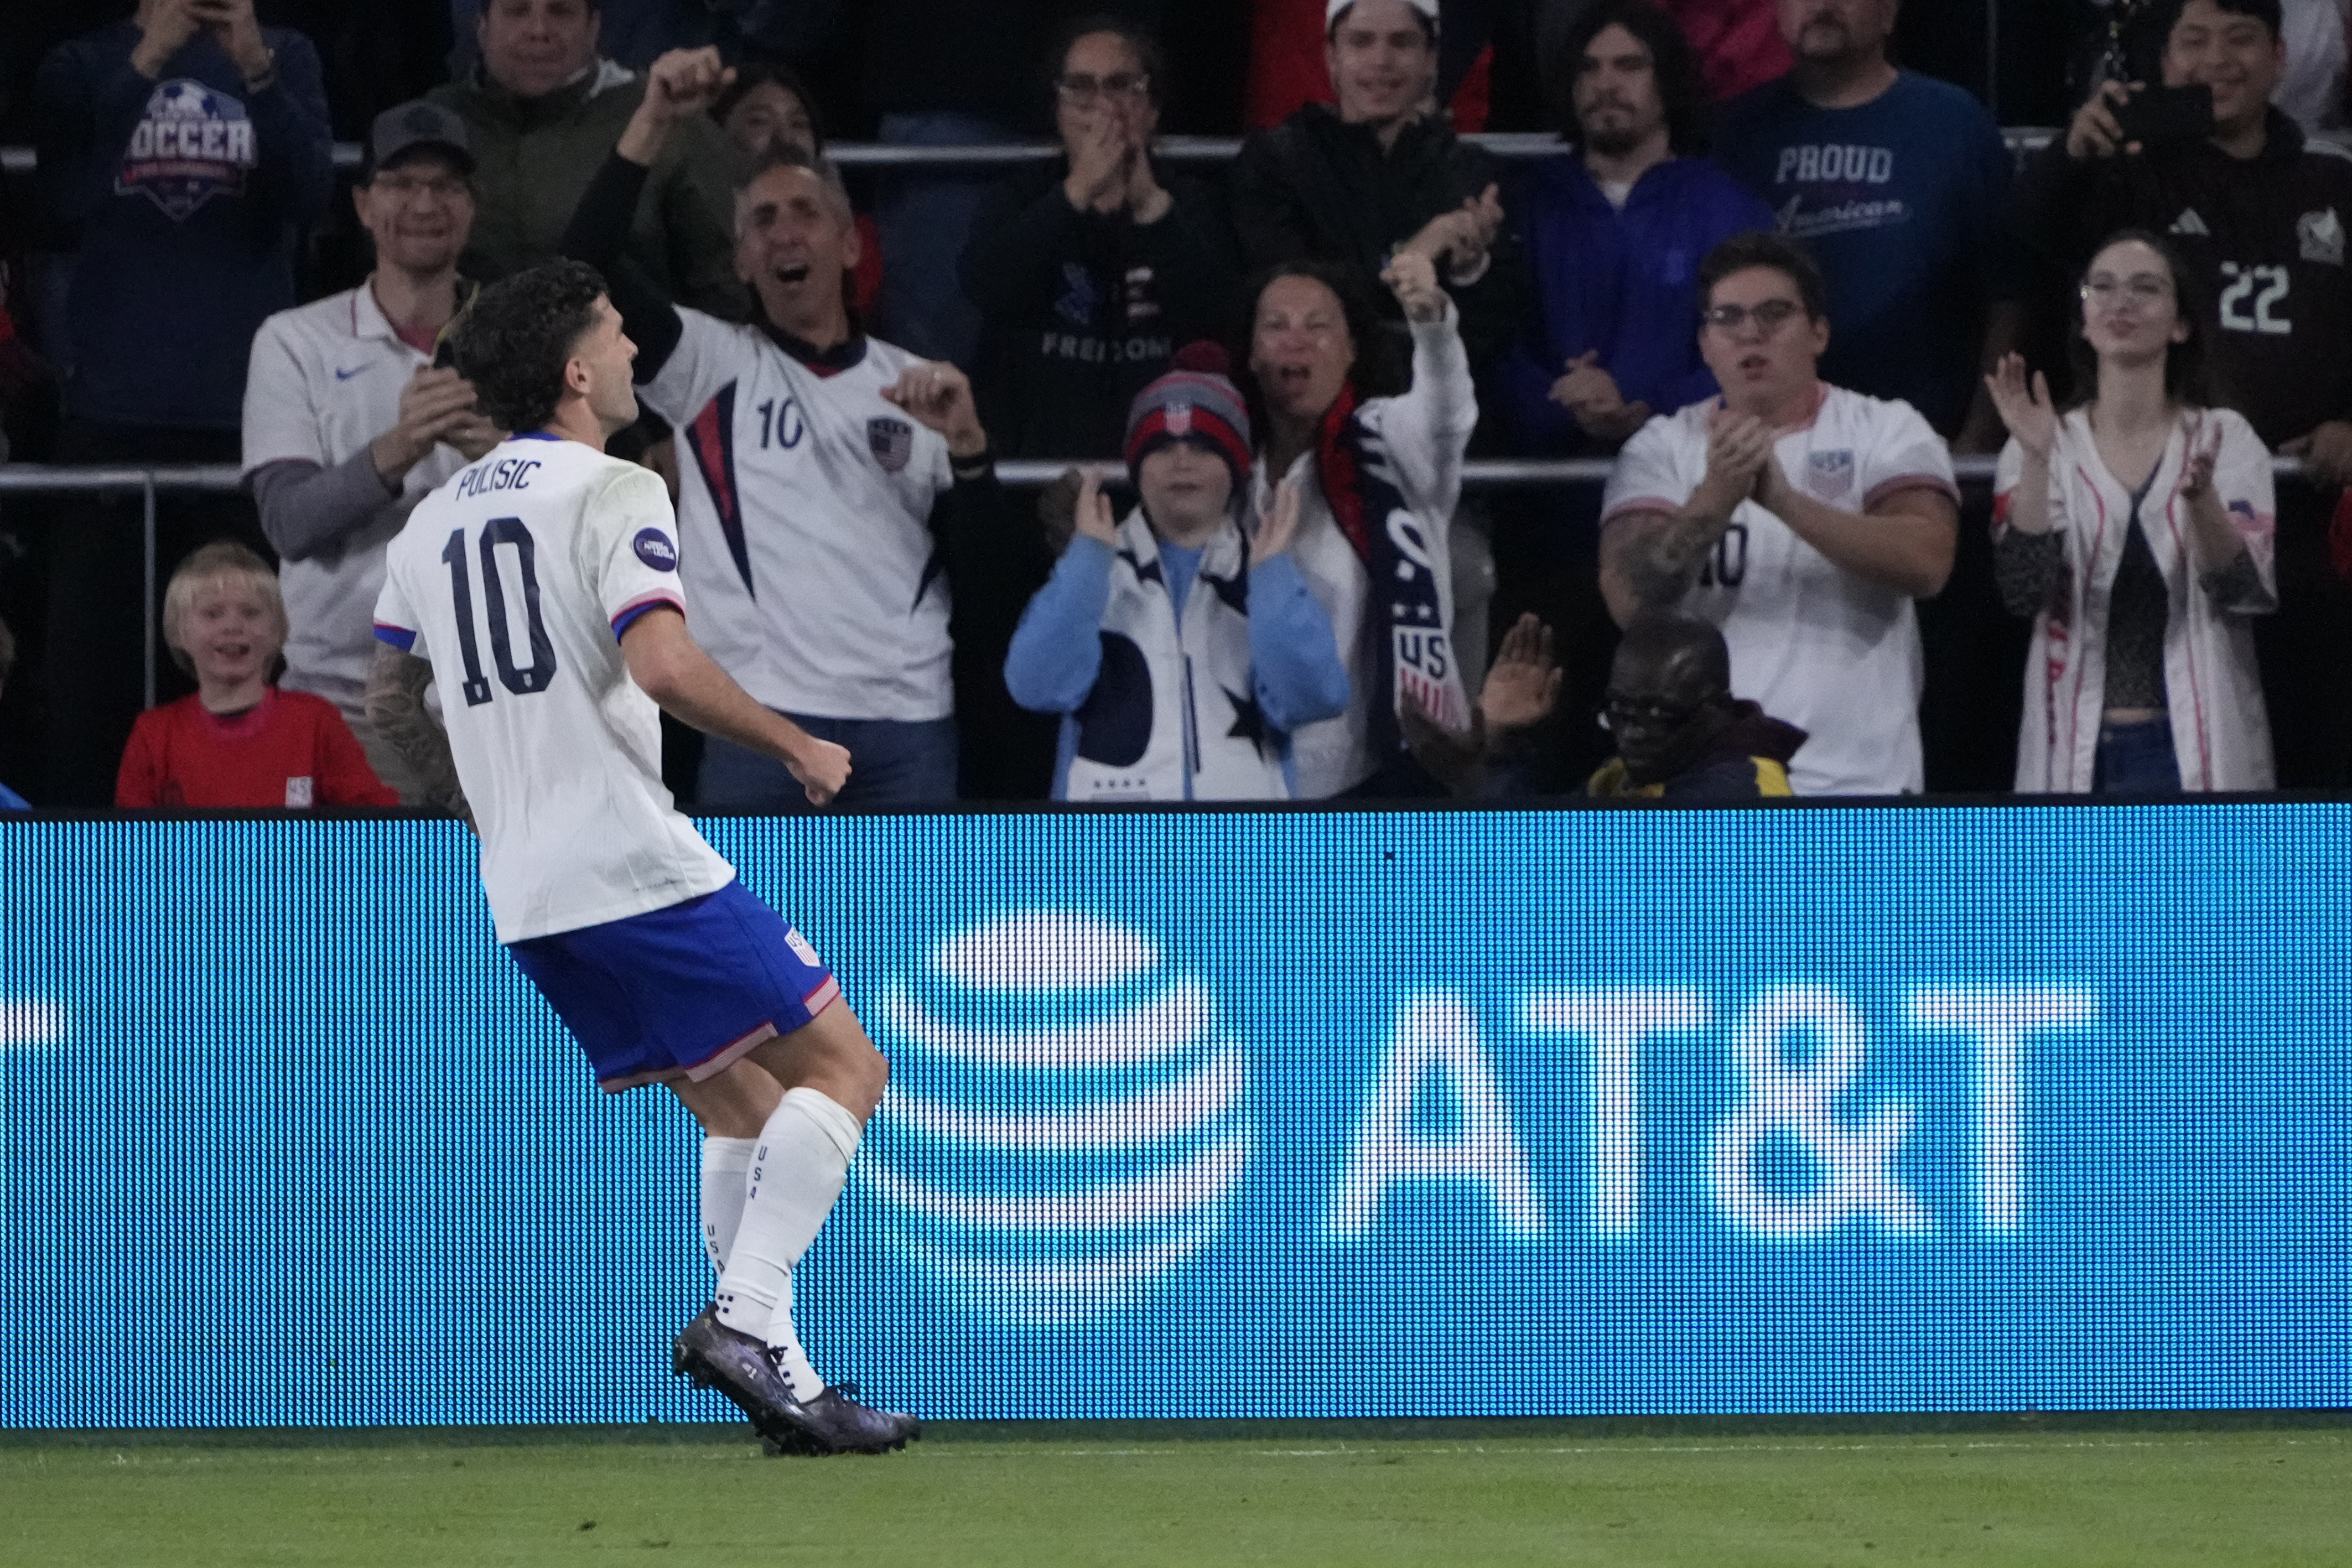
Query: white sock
{"points": [[724, 1162], [797, 1171]]}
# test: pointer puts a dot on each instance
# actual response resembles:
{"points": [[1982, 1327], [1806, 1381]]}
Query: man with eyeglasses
{"points": [[1802, 518], [2260, 217], [348, 422], [1091, 271], [1680, 734]]}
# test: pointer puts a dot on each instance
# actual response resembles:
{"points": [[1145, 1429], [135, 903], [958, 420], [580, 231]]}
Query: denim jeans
{"points": [[891, 763], [2135, 759]]}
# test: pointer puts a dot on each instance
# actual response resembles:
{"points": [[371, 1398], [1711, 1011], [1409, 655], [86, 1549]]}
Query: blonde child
{"points": [[240, 741]]}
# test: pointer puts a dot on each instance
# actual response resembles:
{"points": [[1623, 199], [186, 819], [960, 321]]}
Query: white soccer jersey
{"points": [[516, 579], [324, 381], [1825, 649], [805, 509]]}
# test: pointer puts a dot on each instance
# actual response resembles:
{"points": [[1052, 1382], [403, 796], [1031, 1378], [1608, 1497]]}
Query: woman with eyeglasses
{"points": [[2136, 529], [1091, 270]]}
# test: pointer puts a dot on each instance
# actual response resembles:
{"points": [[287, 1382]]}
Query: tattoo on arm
{"points": [[1661, 566], [395, 707]]}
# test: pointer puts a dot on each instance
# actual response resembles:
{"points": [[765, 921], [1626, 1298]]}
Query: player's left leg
{"points": [[731, 1108]]}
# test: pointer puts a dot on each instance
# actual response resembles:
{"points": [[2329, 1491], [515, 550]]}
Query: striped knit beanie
{"points": [[1195, 401]]}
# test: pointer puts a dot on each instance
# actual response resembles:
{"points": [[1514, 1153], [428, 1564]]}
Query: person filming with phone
{"points": [[2202, 158]]}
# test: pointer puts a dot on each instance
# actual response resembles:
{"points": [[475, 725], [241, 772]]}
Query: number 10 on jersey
{"points": [[520, 680]]}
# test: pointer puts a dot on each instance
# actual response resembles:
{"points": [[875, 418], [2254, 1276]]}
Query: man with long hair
{"points": [[1614, 231]]}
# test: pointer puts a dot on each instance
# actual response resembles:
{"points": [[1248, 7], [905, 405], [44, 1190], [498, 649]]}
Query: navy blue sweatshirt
{"points": [[184, 195]]}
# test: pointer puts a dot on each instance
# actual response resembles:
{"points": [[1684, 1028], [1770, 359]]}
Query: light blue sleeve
{"points": [[1057, 649], [1295, 661]]}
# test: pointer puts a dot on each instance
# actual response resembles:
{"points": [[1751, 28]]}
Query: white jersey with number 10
{"points": [[516, 579]]}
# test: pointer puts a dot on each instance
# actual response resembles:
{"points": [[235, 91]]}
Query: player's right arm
{"points": [[681, 84], [396, 685], [670, 667]]}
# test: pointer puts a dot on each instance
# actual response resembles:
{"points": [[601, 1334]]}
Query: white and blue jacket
{"points": [[1181, 672]]}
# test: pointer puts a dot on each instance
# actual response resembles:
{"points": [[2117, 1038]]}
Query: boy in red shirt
{"points": [[239, 741]]}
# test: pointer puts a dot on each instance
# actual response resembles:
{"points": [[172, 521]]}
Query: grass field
{"points": [[1463, 1497]]}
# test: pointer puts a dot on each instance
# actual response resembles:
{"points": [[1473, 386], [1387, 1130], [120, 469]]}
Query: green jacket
{"points": [[533, 158]]}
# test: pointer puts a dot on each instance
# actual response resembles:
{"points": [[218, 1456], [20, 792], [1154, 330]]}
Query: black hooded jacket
{"points": [[1318, 186]]}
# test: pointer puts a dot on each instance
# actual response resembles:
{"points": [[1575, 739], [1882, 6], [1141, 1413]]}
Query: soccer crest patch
{"points": [[191, 145], [2319, 235], [892, 441], [1830, 475]]}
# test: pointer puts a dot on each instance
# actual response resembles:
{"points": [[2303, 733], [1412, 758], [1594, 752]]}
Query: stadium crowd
{"points": [[1775, 274]]}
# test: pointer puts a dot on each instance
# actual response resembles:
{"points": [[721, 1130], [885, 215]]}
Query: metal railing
{"points": [[2023, 141]]}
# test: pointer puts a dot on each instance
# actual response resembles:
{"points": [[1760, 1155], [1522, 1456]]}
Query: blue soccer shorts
{"points": [[680, 992]]}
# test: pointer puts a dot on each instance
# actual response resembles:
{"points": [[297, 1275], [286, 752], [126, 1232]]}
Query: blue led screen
{"points": [[1325, 1114]]}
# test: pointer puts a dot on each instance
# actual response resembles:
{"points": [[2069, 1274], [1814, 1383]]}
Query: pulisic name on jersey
{"points": [[506, 474]]}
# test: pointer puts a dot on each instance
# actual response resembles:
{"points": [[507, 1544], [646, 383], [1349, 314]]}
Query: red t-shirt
{"points": [[1739, 43], [290, 750]]}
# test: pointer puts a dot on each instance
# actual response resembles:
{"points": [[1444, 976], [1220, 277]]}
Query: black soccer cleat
{"points": [[735, 1363], [835, 1423]]}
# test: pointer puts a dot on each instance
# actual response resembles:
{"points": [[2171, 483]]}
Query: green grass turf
{"points": [[1117, 1496]]}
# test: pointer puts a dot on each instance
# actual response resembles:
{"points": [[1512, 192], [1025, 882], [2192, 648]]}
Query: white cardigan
{"points": [[2221, 733], [1427, 430]]}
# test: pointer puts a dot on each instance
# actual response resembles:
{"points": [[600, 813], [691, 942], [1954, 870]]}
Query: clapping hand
{"points": [[1454, 759], [1462, 236], [2197, 473], [437, 405], [1739, 446], [2027, 410], [1523, 684], [1094, 512], [1280, 526], [1100, 156]]}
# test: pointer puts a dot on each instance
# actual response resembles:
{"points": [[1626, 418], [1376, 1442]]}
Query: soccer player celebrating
{"points": [[543, 580]]}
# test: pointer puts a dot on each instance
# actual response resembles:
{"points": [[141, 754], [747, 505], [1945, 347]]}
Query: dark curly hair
{"points": [[1682, 87], [1383, 365], [516, 338]]}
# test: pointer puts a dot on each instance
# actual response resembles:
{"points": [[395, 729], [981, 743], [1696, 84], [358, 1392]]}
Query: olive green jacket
{"points": [[534, 157]]}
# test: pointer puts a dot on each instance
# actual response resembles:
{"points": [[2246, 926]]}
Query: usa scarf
{"points": [[1405, 608]]}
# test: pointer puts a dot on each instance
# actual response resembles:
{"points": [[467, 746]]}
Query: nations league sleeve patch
{"points": [[655, 549]]}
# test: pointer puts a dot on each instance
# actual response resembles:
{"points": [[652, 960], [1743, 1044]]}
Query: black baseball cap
{"points": [[404, 129]]}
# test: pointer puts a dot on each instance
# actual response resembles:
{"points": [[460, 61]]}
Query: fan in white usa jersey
{"points": [[1801, 518], [827, 477], [537, 592]]}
